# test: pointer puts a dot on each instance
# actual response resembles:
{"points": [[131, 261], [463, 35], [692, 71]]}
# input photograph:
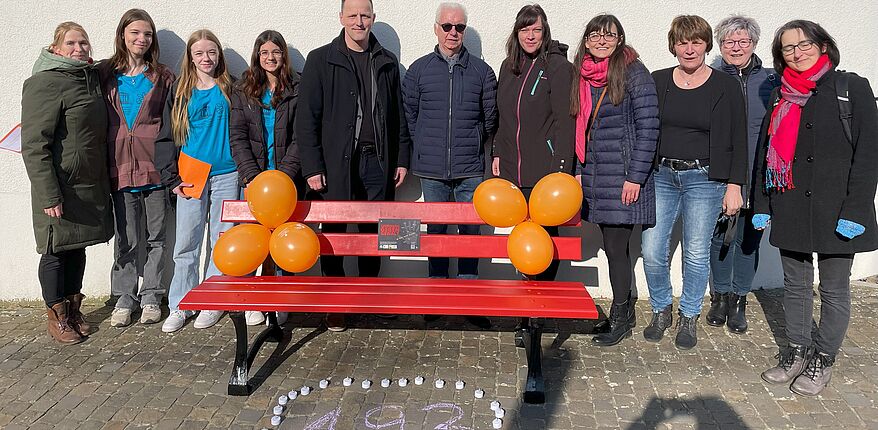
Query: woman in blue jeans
{"points": [[701, 163], [196, 122]]}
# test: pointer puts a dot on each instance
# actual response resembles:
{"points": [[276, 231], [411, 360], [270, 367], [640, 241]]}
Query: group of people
{"points": [[729, 149]]}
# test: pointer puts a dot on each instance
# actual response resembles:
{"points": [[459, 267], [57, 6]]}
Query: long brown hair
{"points": [[189, 78], [527, 16], [119, 60], [619, 61], [254, 81]]}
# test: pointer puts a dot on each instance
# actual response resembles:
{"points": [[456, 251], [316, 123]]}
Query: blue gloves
{"points": [[849, 229], [760, 221]]}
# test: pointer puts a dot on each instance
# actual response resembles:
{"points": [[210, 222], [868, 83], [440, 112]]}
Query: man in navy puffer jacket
{"points": [[450, 105]]}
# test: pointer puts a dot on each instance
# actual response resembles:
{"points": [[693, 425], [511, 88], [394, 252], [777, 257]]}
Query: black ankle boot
{"points": [[687, 332], [737, 316], [660, 322], [619, 326], [603, 326], [719, 309]]}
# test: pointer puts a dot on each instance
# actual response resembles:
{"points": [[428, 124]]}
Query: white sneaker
{"points": [[282, 318], [206, 319], [254, 317], [176, 320], [121, 317]]}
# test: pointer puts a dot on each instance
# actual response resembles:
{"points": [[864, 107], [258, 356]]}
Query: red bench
{"points": [[531, 300]]}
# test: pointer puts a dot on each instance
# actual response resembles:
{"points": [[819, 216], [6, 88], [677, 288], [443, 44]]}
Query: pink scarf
{"points": [[591, 75], [783, 131]]}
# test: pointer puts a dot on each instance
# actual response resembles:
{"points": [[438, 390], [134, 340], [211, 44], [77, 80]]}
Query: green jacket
{"points": [[64, 146]]}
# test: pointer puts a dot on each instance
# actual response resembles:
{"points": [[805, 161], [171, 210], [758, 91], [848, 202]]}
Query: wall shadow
{"points": [[707, 413], [472, 40], [389, 39], [235, 63], [171, 48]]}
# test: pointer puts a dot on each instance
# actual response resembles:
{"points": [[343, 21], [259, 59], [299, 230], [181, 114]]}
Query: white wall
{"points": [[404, 27]]}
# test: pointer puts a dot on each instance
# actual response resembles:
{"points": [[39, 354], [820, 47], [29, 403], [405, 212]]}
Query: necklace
{"points": [[692, 77], [133, 79]]}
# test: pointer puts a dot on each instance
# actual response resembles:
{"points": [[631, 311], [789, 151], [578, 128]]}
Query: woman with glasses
{"points": [[535, 136], [614, 101], [262, 121], [135, 87], [816, 185], [734, 251], [701, 165]]}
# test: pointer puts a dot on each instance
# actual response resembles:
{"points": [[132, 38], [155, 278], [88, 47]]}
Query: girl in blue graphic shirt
{"points": [[197, 123], [135, 88], [262, 121]]}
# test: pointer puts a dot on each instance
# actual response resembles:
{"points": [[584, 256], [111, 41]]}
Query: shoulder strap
{"points": [[844, 103]]}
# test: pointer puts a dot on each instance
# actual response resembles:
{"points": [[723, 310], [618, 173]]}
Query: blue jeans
{"points": [[734, 270], [693, 195], [455, 190], [193, 215]]}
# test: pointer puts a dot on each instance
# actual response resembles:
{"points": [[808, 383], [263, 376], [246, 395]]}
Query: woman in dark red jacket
{"points": [[262, 119], [136, 87], [533, 103]]}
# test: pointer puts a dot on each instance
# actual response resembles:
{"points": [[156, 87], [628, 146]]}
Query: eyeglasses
{"points": [[447, 27], [596, 37], [803, 46], [743, 43], [274, 53]]}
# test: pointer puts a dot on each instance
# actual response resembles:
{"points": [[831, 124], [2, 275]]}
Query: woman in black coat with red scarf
{"points": [[816, 185]]}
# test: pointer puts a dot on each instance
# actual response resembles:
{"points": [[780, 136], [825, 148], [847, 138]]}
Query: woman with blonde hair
{"points": [[196, 123], [63, 143], [136, 87]]}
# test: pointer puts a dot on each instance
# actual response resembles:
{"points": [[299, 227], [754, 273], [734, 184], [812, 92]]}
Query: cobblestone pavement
{"points": [[138, 377]]}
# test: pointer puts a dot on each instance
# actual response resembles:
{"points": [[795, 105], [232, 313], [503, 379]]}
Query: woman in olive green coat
{"points": [[64, 145]]}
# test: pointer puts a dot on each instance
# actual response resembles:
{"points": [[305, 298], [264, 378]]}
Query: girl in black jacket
{"points": [[262, 119], [533, 103], [817, 186]]}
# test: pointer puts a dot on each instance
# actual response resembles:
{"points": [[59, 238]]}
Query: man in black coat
{"points": [[353, 140]]}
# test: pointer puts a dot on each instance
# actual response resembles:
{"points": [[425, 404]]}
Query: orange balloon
{"points": [[555, 199], [271, 196], [242, 249], [294, 247], [500, 203], [530, 248]]}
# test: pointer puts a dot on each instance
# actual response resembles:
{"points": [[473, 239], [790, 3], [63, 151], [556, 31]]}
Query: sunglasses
{"points": [[447, 27]]}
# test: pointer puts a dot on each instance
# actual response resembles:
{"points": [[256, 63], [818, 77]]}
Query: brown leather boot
{"points": [[58, 326], [75, 317]]}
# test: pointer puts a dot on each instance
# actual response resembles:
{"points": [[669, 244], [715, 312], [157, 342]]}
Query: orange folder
{"points": [[195, 172]]}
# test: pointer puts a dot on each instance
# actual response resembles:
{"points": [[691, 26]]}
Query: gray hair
{"points": [[451, 6], [735, 23]]}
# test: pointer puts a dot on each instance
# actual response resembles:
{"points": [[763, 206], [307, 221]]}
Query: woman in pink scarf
{"points": [[816, 184], [614, 101]]}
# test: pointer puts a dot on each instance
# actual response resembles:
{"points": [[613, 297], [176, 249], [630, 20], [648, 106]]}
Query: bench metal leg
{"points": [[535, 386], [239, 382]]}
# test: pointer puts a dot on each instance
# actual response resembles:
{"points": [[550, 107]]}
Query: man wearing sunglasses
{"points": [[450, 106]]}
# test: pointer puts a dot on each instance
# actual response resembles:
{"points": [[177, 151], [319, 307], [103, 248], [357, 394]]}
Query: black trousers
{"points": [[60, 274], [616, 238], [835, 299], [368, 182]]}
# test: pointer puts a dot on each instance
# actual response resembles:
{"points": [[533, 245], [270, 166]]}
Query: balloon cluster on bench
{"points": [[555, 199], [293, 246]]}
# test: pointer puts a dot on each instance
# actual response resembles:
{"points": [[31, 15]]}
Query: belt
{"points": [[367, 149], [677, 164]]}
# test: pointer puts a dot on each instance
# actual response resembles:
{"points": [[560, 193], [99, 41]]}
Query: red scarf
{"points": [[783, 131], [592, 75]]}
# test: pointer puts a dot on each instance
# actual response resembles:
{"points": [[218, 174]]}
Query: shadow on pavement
{"points": [[771, 302], [706, 412]]}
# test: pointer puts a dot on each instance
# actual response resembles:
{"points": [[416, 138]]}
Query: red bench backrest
{"points": [[360, 244]]}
